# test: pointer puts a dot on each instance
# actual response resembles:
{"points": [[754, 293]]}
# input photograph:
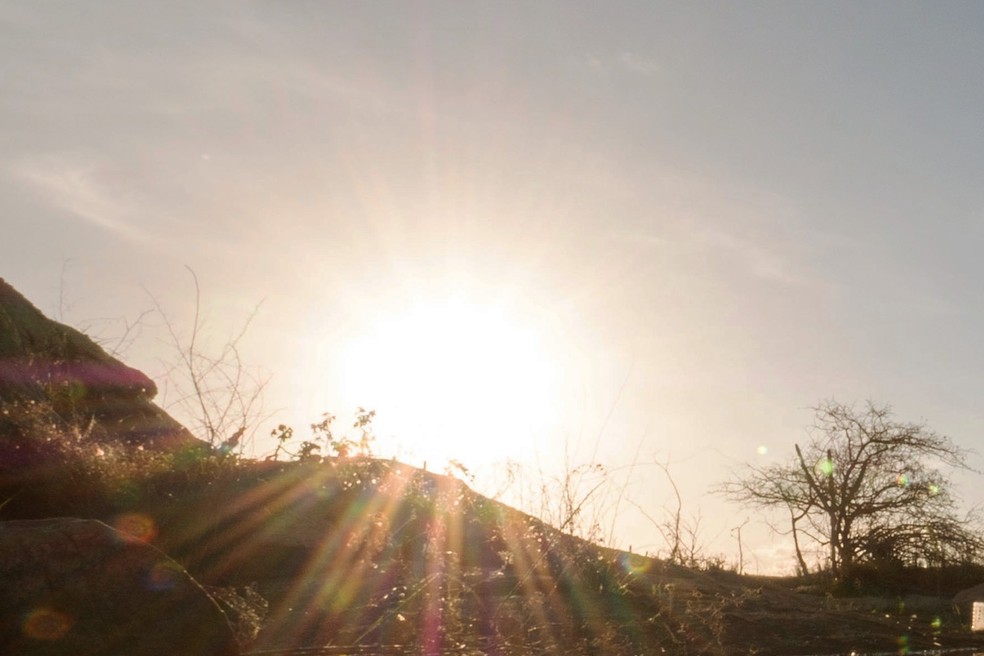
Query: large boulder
{"points": [[72, 586], [53, 376], [964, 602], [970, 595]]}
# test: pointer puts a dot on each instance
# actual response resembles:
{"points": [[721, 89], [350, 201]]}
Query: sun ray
{"points": [[330, 575]]}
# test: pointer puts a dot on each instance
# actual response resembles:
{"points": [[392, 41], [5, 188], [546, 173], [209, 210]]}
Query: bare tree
{"points": [[866, 488], [681, 534], [216, 390]]}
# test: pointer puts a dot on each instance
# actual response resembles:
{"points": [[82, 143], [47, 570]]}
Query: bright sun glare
{"points": [[455, 380]]}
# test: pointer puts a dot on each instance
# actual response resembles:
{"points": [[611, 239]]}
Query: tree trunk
{"points": [[800, 562]]}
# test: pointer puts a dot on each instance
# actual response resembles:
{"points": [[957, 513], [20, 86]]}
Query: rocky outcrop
{"points": [[70, 586], [970, 595], [53, 377], [964, 602]]}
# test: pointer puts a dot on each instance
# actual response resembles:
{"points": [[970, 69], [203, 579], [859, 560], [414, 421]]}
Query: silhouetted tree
{"points": [[866, 489]]}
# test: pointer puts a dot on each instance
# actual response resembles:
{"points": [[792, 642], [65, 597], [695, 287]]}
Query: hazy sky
{"points": [[694, 219]]}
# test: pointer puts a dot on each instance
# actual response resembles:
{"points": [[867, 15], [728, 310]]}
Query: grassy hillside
{"points": [[359, 551], [362, 551]]}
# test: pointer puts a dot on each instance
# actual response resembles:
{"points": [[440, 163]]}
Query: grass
{"points": [[350, 549]]}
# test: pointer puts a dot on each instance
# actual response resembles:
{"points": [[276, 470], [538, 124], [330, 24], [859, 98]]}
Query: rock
{"points": [[54, 376], [79, 587], [970, 595], [964, 600]]}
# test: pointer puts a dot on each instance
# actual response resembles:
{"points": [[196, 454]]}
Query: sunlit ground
{"points": [[395, 558]]}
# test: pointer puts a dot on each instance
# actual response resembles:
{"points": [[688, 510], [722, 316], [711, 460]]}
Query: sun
{"points": [[455, 380]]}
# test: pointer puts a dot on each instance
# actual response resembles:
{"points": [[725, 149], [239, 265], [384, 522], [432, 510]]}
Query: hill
{"points": [[52, 374], [357, 551]]}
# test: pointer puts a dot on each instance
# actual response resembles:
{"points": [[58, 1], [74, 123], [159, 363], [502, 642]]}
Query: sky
{"points": [[551, 233]]}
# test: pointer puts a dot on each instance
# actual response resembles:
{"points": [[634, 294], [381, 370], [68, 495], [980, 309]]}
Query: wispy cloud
{"points": [[634, 63], [762, 261], [624, 62], [754, 234], [77, 188]]}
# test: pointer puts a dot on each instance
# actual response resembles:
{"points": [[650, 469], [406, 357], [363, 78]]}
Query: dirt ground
{"points": [[783, 617]]}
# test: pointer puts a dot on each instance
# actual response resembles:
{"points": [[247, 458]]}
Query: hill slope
{"points": [[53, 376], [358, 551]]}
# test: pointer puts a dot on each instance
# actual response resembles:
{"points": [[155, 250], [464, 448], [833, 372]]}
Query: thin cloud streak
{"points": [[626, 61], [636, 64], [76, 189]]}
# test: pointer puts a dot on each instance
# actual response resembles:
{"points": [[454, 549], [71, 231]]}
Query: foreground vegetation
{"points": [[346, 549], [869, 492], [323, 544]]}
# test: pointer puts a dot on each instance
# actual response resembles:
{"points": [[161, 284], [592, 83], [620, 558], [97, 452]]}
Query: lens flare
{"points": [[136, 527], [163, 576], [46, 624], [762, 450], [903, 480], [824, 467], [635, 564]]}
